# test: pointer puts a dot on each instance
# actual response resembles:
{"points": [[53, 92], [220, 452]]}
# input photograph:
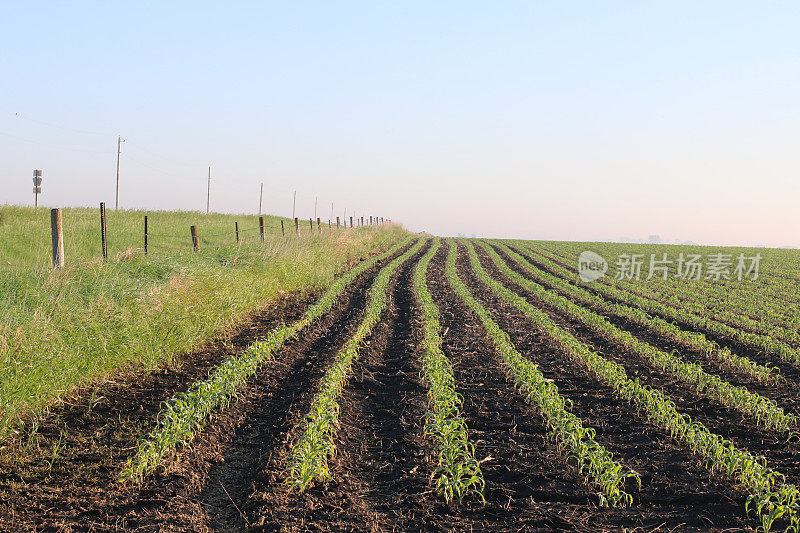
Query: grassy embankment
{"points": [[60, 329]]}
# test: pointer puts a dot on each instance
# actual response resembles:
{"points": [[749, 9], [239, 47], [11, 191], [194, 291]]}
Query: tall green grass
{"points": [[63, 328]]}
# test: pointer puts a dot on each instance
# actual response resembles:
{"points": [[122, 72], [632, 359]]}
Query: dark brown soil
{"points": [[65, 478], [232, 476], [781, 455], [678, 492], [380, 469], [782, 392], [789, 371]]}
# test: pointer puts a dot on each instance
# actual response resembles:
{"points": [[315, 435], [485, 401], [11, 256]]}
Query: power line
{"points": [[66, 128], [46, 145]]}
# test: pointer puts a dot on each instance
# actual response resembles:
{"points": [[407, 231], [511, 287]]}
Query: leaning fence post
{"points": [[195, 238], [145, 235], [261, 227], [103, 240], [297, 226], [57, 232], [283, 232], [236, 224]]}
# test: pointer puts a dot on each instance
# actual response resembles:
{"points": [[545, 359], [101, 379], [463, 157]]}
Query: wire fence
{"points": [[193, 240]]}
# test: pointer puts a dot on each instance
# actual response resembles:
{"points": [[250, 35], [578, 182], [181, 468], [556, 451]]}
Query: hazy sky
{"points": [[557, 120]]}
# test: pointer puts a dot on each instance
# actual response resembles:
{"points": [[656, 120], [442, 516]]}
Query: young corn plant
{"points": [[457, 474], [764, 411], [186, 413], [719, 304], [593, 459], [746, 338], [555, 279], [311, 452], [770, 496]]}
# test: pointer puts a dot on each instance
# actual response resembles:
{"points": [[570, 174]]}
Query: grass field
{"points": [[62, 328], [444, 385]]}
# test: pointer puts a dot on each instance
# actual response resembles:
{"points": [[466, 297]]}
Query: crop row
{"points": [[724, 300], [770, 496], [457, 473], [728, 298], [599, 464], [310, 454], [752, 340], [753, 316], [763, 410], [186, 412], [689, 339], [718, 303]]}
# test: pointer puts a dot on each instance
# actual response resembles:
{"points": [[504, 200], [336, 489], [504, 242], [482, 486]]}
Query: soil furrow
{"points": [[674, 481], [53, 474], [72, 484], [254, 455], [781, 455], [379, 474], [789, 371], [529, 485], [781, 392]]}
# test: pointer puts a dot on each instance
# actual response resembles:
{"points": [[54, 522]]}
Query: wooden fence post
{"points": [[297, 226], [103, 240], [283, 231], [145, 235], [319, 226], [351, 222], [261, 227], [195, 238], [236, 224], [311, 225], [337, 222], [362, 221], [370, 220], [57, 233]]}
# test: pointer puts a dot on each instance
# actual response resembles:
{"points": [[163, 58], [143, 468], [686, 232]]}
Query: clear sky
{"points": [[546, 120]]}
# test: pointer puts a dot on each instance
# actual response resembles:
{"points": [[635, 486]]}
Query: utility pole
{"points": [[260, 196], [294, 203], [119, 150], [331, 212], [208, 198], [315, 207]]}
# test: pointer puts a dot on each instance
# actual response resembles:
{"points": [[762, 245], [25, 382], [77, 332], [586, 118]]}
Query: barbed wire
{"points": [[205, 239], [162, 247], [167, 235]]}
